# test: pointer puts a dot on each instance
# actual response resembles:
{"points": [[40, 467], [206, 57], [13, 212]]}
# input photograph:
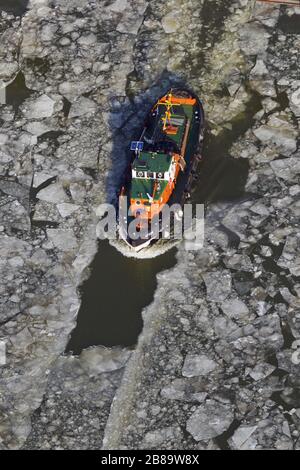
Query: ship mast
{"points": [[167, 101]]}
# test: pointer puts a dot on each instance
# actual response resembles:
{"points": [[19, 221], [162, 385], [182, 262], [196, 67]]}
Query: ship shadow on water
{"points": [[222, 178], [120, 287]]}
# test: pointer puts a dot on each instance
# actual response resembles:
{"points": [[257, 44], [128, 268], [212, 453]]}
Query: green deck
{"points": [[188, 109], [140, 188], [153, 162]]}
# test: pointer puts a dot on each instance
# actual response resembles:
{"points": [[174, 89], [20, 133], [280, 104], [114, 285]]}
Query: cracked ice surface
{"points": [[91, 73]]}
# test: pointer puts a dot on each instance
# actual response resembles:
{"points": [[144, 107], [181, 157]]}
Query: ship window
{"points": [[141, 174], [160, 175], [150, 174]]}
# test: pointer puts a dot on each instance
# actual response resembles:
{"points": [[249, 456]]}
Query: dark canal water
{"points": [[114, 296], [17, 7]]}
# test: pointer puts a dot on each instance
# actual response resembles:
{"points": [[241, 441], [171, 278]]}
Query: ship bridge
{"points": [[154, 166], [151, 173]]}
